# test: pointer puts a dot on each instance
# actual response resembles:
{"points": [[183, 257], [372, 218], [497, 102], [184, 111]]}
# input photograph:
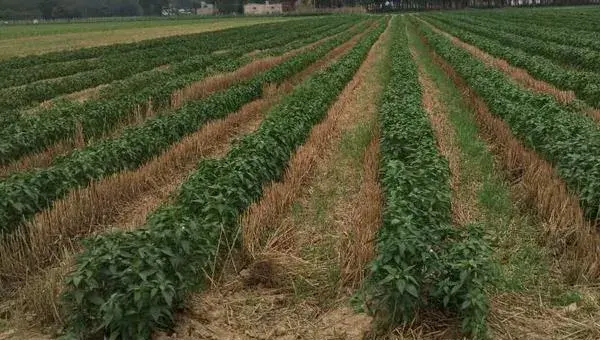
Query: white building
{"points": [[260, 9], [206, 9], [524, 2]]}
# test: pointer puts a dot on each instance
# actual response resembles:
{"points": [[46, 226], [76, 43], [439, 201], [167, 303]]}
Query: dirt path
{"points": [[308, 237]]}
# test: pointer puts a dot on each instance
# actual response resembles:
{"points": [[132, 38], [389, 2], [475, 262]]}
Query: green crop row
{"points": [[24, 194], [159, 43], [11, 77], [31, 133], [582, 58], [128, 283], [567, 139], [583, 20], [562, 35], [586, 85], [111, 51], [275, 46], [119, 66], [422, 260], [25, 133], [196, 44], [129, 64]]}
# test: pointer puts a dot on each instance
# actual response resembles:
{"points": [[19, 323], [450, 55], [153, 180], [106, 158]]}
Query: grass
{"points": [[23, 40], [354, 142], [567, 297], [325, 192], [336, 184], [317, 212]]}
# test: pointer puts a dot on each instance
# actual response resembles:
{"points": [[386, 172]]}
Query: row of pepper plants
{"points": [[208, 42], [100, 52], [114, 50], [189, 45], [234, 58], [26, 193], [583, 19], [128, 283], [190, 68], [585, 84], [23, 134], [127, 65], [567, 139], [577, 57], [560, 35], [422, 260]]}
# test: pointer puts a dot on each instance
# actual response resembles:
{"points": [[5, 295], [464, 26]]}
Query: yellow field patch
{"points": [[70, 41]]}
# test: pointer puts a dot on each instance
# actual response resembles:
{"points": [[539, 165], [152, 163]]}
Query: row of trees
{"points": [[48, 9], [52, 9], [399, 5]]}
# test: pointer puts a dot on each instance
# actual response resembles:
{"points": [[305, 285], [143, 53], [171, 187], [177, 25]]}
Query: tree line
{"points": [[419, 5], [56, 9]]}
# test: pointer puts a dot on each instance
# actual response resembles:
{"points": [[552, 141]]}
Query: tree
{"points": [[47, 7], [153, 7], [229, 6]]}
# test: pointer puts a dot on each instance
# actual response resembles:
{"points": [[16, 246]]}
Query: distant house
{"points": [[261, 9], [524, 2], [206, 9]]}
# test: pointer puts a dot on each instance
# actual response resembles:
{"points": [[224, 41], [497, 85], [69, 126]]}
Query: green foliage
{"points": [[577, 57], [29, 74], [567, 297], [562, 35], [23, 194], [421, 259], [569, 140], [128, 283], [103, 72], [585, 84], [28, 133], [38, 85], [86, 73], [520, 261], [466, 269], [115, 50], [583, 19]]}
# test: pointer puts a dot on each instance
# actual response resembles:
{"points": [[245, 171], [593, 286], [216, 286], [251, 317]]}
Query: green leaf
{"points": [[412, 290]]}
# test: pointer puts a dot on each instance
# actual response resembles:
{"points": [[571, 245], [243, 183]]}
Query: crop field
{"points": [[431, 176], [26, 39]]}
